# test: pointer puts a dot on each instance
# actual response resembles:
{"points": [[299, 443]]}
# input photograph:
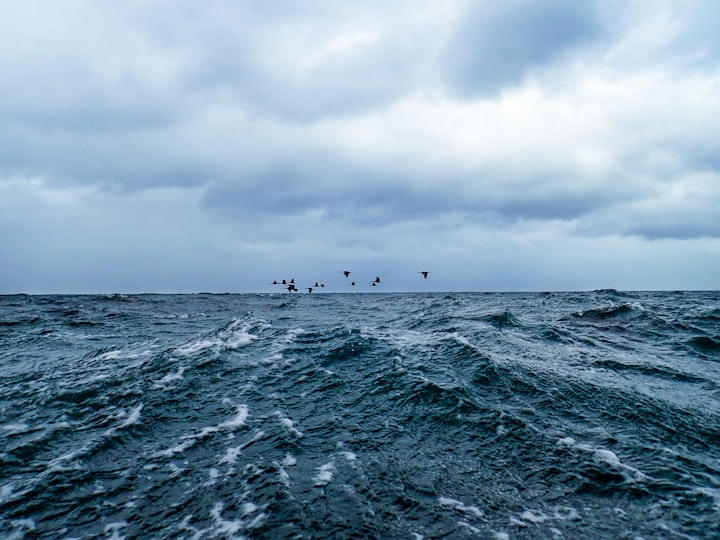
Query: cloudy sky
{"points": [[181, 146]]}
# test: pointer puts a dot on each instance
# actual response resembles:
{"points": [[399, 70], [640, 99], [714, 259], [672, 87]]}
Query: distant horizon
{"points": [[320, 292]]}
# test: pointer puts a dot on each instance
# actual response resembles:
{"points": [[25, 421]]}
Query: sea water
{"points": [[459, 415]]}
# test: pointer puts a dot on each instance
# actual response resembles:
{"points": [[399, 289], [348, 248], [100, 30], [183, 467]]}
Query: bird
{"points": [[310, 289], [291, 287], [377, 280], [424, 273], [352, 284], [373, 283], [346, 272]]}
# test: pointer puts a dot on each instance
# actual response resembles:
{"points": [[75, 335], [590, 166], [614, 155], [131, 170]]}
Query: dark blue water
{"points": [[573, 415]]}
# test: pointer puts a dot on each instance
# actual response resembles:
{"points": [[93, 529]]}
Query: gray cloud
{"points": [[261, 134], [496, 45]]}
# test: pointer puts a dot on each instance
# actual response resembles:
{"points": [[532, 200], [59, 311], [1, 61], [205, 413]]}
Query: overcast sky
{"points": [[183, 146]]}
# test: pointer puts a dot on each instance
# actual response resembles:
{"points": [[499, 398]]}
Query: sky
{"points": [[522, 145]]}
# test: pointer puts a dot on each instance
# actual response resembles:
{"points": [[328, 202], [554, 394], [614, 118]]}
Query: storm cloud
{"points": [[516, 145]]}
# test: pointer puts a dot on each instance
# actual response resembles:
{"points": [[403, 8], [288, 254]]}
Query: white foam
{"points": [[114, 529], [288, 424], [176, 471], [231, 455], [133, 417], [21, 527], [248, 508], [6, 492], [224, 526], [458, 505], [289, 460], [325, 474], [171, 377], [603, 455], [534, 516], [607, 456], [240, 419], [501, 535], [111, 355], [470, 528], [196, 346], [178, 448], [567, 513], [350, 456], [14, 429]]}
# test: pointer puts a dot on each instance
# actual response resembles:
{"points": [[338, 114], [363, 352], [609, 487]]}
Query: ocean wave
{"points": [[373, 416]]}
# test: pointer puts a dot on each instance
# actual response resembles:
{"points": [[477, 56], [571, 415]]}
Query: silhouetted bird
{"points": [[424, 273], [310, 289], [377, 280], [352, 284], [346, 272]]}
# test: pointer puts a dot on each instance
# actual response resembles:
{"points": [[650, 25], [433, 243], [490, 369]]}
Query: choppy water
{"points": [[573, 415]]}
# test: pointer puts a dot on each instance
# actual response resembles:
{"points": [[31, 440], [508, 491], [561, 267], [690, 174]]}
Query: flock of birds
{"points": [[289, 284]]}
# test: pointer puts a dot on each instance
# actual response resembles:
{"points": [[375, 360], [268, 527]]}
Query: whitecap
{"points": [[603, 455], [111, 355], [288, 424], [470, 528], [196, 347], [458, 505], [14, 429], [133, 417], [240, 417], [350, 456], [6, 492], [170, 377], [567, 513], [224, 526], [248, 508], [325, 474], [114, 529], [231, 455], [534, 516]]}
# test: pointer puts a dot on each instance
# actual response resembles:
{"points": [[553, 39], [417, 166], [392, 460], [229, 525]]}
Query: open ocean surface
{"points": [[459, 415]]}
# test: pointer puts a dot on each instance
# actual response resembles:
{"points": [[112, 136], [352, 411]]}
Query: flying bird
{"points": [[346, 272], [377, 280], [352, 284], [424, 273], [310, 289]]}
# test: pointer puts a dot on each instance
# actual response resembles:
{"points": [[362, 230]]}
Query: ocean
{"points": [[410, 416]]}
